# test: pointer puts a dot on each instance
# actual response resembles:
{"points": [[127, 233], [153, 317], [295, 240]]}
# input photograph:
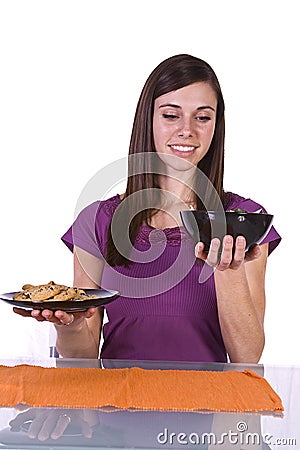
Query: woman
{"points": [[164, 312]]}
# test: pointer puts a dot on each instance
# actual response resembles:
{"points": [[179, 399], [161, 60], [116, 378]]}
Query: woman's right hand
{"points": [[81, 338], [56, 317], [43, 424]]}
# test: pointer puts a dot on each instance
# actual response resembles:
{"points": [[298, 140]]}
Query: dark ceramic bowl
{"points": [[204, 225]]}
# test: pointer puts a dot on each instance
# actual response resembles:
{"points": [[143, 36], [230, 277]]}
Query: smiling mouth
{"points": [[183, 148]]}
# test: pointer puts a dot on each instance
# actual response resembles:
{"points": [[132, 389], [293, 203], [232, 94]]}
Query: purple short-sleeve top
{"points": [[167, 309]]}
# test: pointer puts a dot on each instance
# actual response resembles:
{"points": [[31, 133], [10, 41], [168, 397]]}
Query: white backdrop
{"points": [[71, 73]]}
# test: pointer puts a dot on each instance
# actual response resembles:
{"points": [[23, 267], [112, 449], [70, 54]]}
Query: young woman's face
{"points": [[184, 122]]}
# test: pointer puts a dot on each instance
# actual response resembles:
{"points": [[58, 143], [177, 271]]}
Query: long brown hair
{"points": [[174, 73]]}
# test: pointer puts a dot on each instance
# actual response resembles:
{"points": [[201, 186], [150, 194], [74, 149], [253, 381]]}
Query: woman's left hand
{"points": [[232, 256]]}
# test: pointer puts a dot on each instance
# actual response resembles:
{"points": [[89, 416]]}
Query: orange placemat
{"points": [[175, 390]]}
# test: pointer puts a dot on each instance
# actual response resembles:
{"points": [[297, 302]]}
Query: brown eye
{"points": [[170, 116], [203, 118]]}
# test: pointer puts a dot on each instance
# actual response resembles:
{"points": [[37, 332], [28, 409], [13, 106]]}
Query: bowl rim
{"points": [[226, 212]]}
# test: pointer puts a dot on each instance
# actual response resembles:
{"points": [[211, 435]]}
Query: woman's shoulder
{"points": [[235, 201], [109, 205], [102, 207]]}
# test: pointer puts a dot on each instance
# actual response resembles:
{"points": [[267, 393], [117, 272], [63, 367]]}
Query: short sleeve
{"points": [[272, 238], [84, 233]]}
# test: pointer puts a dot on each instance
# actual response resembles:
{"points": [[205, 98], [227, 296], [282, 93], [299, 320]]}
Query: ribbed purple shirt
{"points": [[164, 311]]}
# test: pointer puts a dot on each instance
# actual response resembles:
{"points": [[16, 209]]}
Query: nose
{"points": [[185, 128]]}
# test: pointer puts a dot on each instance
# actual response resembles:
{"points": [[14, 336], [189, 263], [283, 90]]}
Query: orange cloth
{"points": [[175, 390]]}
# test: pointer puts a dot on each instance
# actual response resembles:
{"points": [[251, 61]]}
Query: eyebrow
{"points": [[172, 105]]}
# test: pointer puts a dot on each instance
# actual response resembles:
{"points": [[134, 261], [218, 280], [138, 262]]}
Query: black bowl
{"points": [[205, 225]]}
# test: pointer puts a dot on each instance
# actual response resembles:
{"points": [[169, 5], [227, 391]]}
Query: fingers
{"points": [[64, 318], [22, 312], [199, 251], [67, 318], [39, 315], [56, 317], [43, 424], [44, 315], [213, 253], [232, 255], [212, 257], [38, 428], [226, 256], [52, 426], [48, 424], [239, 253]]}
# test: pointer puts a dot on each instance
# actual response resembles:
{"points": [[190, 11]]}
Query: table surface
{"points": [[156, 429]]}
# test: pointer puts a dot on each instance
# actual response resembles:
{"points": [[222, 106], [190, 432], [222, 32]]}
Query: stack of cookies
{"points": [[50, 292]]}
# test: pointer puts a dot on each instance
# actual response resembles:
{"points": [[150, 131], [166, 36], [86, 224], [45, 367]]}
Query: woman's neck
{"points": [[177, 190]]}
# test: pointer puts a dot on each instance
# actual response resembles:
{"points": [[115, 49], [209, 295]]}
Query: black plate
{"points": [[103, 297]]}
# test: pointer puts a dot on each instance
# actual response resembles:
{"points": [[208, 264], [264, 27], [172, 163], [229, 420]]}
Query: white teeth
{"points": [[182, 148]]}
